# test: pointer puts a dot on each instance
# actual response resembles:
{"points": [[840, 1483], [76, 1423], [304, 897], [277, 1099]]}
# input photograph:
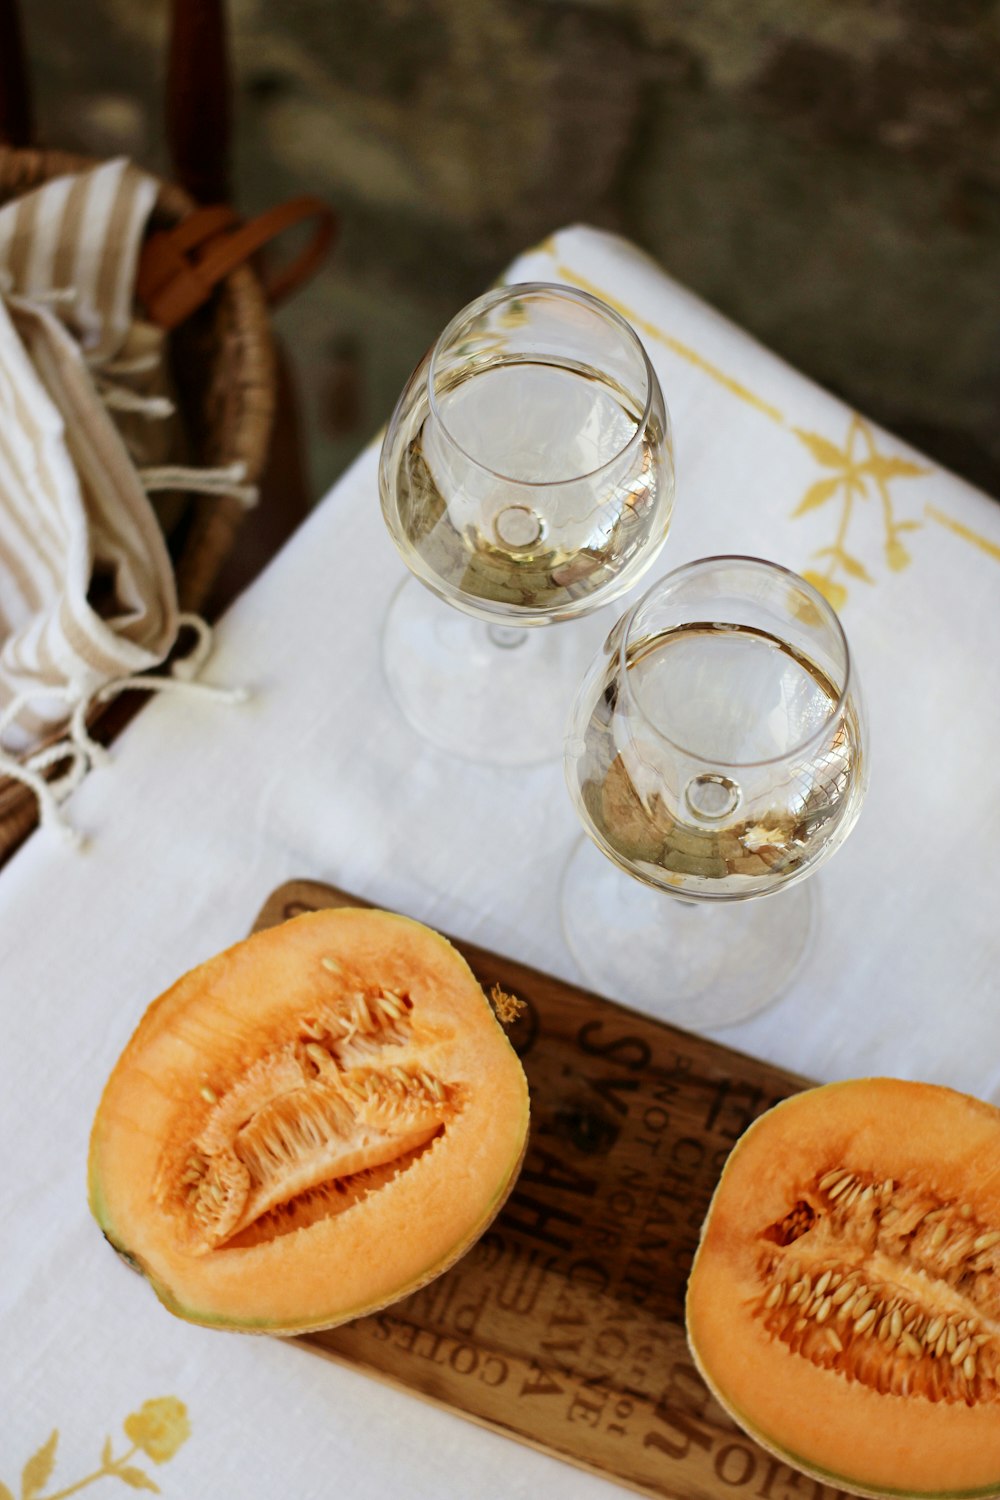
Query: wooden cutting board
{"points": [[564, 1326]]}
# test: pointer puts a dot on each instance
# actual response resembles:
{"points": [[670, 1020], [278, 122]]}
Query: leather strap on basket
{"points": [[180, 267]]}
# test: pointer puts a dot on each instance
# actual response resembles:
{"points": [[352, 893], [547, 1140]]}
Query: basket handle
{"points": [[180, 267]]}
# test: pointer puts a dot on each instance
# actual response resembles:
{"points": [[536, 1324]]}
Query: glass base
{"points": [[697, 964], [499, 694]]}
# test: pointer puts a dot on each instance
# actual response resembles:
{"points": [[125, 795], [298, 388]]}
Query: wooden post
{"points": [[15, 99], [198, 134], [197, 104]]}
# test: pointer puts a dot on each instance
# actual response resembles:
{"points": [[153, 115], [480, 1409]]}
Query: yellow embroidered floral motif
{"points": [[157, 1429], [859, 471]]}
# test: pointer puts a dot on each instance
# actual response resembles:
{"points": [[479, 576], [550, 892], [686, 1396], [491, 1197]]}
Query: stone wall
{"points": [[827, 172]]}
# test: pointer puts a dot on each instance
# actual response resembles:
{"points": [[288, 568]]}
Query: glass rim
{"points": [[512, 291], [823, 605]]}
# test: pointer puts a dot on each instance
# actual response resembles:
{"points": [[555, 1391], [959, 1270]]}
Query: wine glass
{"points": [[526, 478], [716, 752]]}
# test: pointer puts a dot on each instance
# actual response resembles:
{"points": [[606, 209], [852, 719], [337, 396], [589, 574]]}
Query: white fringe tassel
{"points": [[222, 481], [121, 398], [78, 747]]}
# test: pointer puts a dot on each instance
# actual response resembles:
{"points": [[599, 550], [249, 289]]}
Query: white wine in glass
{"points": [[526, 479], [716, 753]]}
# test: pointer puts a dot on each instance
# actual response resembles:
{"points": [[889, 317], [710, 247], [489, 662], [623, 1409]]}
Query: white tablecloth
{"points": [[206, 808]]}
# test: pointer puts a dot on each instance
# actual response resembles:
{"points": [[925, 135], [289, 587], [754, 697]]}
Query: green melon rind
{"points": [[765, 1440]]}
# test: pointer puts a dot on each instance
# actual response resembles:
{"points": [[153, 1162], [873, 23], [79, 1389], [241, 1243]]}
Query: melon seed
{"points": [[823, 1283], [865, 1322], [209, 1095], [841, 1187], [432, 1084], [939, 1236], [834, 1340], [969, 1367], [987, 1241], [909, 1343]]}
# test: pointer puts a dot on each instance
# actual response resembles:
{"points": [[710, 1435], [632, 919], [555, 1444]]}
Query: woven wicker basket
{"points": [[222, 363]]}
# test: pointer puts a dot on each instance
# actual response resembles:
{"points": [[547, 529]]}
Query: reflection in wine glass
{"points": [[716, 752], [526, 478]]}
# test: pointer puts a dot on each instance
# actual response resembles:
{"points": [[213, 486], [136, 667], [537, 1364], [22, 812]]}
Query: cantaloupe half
{"points": [[844, 1303], [309, 1126]]}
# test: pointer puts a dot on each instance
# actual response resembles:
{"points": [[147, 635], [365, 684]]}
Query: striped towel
{"points": [[87, 593], [81, 233]]}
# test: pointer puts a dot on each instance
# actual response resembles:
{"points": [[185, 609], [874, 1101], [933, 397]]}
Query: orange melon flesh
{"points": [[192, 1061], [920, 1147]]}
